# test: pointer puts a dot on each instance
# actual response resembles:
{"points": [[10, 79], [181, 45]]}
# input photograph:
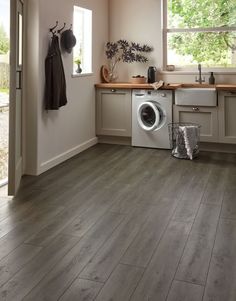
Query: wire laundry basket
{"points": [[177, 140]]}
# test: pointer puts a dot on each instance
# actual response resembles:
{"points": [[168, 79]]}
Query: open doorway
{"points": [[4, 88]]}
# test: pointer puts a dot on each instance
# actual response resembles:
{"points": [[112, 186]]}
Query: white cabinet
{"points": [[227, 117], [206, 117], [113, 112]]}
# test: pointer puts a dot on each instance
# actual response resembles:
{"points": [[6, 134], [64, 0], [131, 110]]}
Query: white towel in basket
{"points": [[190, 133]]}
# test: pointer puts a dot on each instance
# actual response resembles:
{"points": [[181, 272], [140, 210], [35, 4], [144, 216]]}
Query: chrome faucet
{"points": [[200, 80]]}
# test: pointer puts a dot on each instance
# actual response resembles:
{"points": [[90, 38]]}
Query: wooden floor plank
{"points": [[75, 219], [58, 223], [173, 178], [26, 216], [229, 204], [24, 230], [192, 195], [195, 261], [215, 188], [183, 291], [127, 200], [121, 283], [100, 266], [62, 275], [162, 183], [145, 188], [82, 290], [138, 254], [12, 263], [23, 281], [100, 204], [101, 171], [221, 282], [10, 209], [160, 272]]}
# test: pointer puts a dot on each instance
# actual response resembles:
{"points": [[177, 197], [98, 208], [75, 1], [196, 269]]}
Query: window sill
{"points": [[81, 74], [204, 72]]}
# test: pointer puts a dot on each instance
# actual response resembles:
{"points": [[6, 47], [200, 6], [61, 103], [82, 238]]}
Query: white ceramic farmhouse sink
{"points": [[196, 96]]}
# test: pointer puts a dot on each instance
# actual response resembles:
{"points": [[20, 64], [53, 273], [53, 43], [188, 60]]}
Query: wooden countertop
{"points": [[135, 86], [226, 87], [197, 86], [222, 87]]}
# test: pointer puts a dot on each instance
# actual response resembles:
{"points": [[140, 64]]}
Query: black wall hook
{"points": [[52, 28], [59, 30]]}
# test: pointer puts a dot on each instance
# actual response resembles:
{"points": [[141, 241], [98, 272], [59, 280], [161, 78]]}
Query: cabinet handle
{"points": [[195, 109], [113, 90]]}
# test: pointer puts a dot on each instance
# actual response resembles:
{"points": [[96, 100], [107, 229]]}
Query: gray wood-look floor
{"points": [[122, 223]]}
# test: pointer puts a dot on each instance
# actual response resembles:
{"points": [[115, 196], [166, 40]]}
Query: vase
{"points": [[112, 72], [79, 69]]}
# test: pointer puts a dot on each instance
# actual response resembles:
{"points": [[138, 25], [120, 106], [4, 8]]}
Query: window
{"points": [[82, 51], [200, 31]]}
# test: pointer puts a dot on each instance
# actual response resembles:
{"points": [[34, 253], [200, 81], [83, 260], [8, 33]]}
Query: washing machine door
{"points": [[150, 116]]}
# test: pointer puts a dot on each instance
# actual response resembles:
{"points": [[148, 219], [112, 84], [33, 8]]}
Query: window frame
{"points": [[90, 15], [166, 30]]}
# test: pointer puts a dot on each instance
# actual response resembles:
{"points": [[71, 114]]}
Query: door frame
{"points": [[15, 172]]}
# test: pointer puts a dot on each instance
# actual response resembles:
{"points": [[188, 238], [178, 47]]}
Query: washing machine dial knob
{"points": [[163, 95]]}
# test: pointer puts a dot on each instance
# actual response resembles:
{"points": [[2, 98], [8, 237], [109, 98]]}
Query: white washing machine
{"points": [[151, 113]]}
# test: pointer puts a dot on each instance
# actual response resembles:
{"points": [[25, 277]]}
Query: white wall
{"points": [[63, 133], [138, 21], [141, 21]]}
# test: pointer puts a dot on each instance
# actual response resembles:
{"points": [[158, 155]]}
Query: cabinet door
{"points": [[227, 117], [206, 117], [113, 112]]}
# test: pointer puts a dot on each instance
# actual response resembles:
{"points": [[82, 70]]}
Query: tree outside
{"points": [[4, 41], [212, 48]]}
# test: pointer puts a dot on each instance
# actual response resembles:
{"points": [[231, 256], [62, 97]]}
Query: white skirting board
{"points": [[66, 155]]}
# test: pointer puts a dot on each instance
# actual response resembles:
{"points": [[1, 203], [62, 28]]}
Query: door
{"points": [[113, 112], [15, 114]]}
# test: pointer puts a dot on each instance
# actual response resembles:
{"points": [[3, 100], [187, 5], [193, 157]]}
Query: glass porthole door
{"points": [[149, 116]]}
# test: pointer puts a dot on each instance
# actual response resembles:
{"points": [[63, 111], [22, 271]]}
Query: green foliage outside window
{"points": [[207, 47]]}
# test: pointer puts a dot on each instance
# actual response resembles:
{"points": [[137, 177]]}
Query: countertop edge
{"points": [[135, 86], [226, 87], [218, 87]]}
